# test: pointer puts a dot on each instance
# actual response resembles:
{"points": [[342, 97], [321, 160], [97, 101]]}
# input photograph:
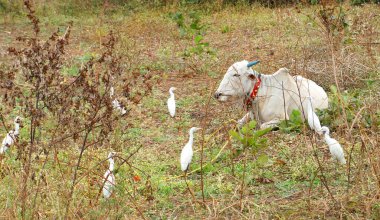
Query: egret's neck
{"points": [[17, 129], [171, 93], [191, 138], [327, 137], [17, 126], [111, 164]]}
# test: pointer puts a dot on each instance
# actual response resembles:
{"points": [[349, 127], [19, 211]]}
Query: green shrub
{"points": [[346, 109], [252, 140], [294, 124]]}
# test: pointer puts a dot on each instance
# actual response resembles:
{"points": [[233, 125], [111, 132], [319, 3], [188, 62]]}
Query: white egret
{"points": [[187, 151], [11, 136], [7, 141], [171, 102], [17, 122], [312, 118], [187, 155], [334, 146], [116, 105], [109, 177]]}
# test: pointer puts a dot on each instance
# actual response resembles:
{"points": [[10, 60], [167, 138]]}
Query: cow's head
{"points": [[237, 81]]}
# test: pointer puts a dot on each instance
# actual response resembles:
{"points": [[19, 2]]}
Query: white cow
{"points": [[269, 106]]}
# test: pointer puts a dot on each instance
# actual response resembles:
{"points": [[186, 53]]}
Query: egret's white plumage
{"points": [[171, 102], [334, 146], [116, 105], [7, 141], [112, 91], [109, 177], [187, 151], [312, 118], [17, 125], [11, 136]]}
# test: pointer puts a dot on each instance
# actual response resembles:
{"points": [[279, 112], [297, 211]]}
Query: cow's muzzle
{"points": [[217, 95], [221, 97]]}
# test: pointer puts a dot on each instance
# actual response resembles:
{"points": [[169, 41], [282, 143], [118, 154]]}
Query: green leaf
{"points": [[235, 135], [198, 38], [245, 129], [244, 141], [262, 132], [71, 71], [252, 124], [295, 117], [370, 82], [262, 160], [194, 26], [251, 141], [85, 57], [294, 123]]}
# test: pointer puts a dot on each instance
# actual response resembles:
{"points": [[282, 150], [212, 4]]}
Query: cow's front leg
{"points": [[270, 124]]}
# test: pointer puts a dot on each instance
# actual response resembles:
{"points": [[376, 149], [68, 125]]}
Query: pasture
{"points": [[55, 170]]}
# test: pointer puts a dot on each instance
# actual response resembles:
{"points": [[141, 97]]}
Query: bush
{"points": [[65, 112]]}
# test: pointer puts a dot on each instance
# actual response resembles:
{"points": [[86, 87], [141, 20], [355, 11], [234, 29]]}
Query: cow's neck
{"points": [[254, 90], [255, 107], [265, 81], [263, 78]]}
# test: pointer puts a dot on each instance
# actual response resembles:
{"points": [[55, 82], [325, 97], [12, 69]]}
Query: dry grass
{"points": [[149, 42]]}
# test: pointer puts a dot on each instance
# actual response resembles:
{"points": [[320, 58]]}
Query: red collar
{"points": [[255, 90]]}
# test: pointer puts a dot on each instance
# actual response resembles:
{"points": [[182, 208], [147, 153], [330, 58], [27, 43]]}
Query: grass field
{"points": [[191, 47]]}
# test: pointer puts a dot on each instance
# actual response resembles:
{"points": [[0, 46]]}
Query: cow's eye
{"points": [[236, 75]]}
